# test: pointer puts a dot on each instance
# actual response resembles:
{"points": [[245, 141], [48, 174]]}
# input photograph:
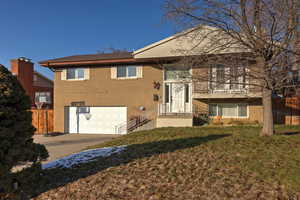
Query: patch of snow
{"points": [[83, 157]]}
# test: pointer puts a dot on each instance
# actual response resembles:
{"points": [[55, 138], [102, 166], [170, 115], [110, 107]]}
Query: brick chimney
{"points": [[22, 68]]}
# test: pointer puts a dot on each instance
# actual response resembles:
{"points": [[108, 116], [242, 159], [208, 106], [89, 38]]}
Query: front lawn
{"points": [[185, 163]]}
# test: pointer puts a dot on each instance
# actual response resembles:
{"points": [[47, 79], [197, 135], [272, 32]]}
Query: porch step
{"points": [[174, 121]]}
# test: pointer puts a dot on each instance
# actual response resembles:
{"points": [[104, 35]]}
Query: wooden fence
{"points": [[287, 111], [42, 120]]}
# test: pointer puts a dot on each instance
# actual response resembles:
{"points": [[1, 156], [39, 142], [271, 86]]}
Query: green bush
{"points": [[16, 130]]}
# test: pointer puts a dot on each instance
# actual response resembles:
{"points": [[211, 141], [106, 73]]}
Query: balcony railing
{"points": [[229, 91], [223, 91]]}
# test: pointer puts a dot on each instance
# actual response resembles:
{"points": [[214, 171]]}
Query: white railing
{"points": [[166, 109], [229, 91]]}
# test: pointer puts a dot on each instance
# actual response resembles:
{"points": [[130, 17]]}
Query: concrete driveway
{"points": [[60, 146]]}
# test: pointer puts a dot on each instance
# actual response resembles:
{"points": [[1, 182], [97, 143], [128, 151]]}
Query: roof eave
{"points": [[93, 62]]}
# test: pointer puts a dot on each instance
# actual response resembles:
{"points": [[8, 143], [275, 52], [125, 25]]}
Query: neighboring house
{"points": [[103, 93], [37, 86]]}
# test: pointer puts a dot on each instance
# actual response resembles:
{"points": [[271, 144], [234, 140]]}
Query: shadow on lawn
{"points": [[54, 178], [288, 133], [292, 133]]}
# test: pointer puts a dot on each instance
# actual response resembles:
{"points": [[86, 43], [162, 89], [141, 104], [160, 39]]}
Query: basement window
{"points": [[228, 110]]}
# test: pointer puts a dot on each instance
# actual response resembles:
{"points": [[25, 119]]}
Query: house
{"points": [[36, 85], [107, 93]]}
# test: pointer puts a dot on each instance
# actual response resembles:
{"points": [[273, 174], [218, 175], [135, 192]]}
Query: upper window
{"points": [[227, 77], [43, 97], [220, 76], [177, 73], [126, 72], [75, 73]]}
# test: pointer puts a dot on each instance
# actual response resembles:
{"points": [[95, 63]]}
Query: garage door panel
{"points": [[102, 120]]}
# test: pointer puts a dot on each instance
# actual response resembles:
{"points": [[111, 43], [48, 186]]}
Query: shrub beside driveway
{"points": [[185, 163]]}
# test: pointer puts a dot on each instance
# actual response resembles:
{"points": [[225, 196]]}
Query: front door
{"points": [[177, 98]]}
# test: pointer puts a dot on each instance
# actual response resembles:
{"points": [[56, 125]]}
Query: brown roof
{"points": [[90, 57], [44, 77]]}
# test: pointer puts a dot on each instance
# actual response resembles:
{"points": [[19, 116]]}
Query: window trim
{"points": [[126, 76], [237, 110]]}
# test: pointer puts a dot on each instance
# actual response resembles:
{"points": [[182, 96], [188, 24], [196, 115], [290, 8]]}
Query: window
{"points": [[44, 97], [121, 72], [234, 78], [243, 111], [227, 77], [131, 71], [220, 76], [176, 73], [75, 73], [126, 72], [228, 110], [167, 93], [213, 110], [238, 77], [187, 93]]}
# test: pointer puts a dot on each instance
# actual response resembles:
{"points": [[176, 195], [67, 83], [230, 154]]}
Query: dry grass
{"points": [[185, 163]]}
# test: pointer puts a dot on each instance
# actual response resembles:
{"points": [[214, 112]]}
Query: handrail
{"points": [[129, 125]]}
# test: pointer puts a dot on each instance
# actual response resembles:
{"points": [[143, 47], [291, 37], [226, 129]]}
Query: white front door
{"points": [[177, 98]]}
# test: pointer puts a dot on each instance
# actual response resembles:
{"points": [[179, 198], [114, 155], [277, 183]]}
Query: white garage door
{"points": [[96, 120]]}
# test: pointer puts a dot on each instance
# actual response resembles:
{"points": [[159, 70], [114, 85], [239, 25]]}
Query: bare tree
{"points": [[243, 32]]}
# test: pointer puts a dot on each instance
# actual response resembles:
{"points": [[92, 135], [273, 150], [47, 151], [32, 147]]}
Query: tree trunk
{"points": [[268, 125]]}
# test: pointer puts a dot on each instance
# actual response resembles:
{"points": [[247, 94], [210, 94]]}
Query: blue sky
{"points": [[45, 29]]}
